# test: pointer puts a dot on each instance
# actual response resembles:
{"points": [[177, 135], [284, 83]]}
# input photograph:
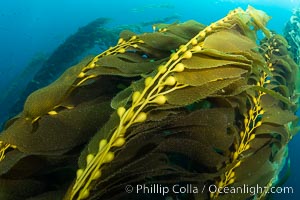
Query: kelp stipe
{"points": [[3, 148]]}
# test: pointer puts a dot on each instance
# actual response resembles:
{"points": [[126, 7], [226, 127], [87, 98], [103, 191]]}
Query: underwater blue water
{"points": [[29, 28]]}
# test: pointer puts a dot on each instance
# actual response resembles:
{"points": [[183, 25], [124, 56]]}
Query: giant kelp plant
{"points": [[191, 105]]}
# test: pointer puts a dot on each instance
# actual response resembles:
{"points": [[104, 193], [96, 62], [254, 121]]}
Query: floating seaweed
{"points": [[189, 105], [292, 34]]}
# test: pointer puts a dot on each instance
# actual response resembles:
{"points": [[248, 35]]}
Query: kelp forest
{"points": [[187, 104]]}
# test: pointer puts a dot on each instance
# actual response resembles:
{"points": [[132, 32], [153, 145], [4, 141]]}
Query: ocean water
{"points": [[32, 29]]}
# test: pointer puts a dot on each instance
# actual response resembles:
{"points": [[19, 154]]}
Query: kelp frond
{"points": [[155, 91], [273, 50], [252, 120]]}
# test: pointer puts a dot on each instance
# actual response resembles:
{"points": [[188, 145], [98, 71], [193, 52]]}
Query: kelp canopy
{"points": [[189, 105]]}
